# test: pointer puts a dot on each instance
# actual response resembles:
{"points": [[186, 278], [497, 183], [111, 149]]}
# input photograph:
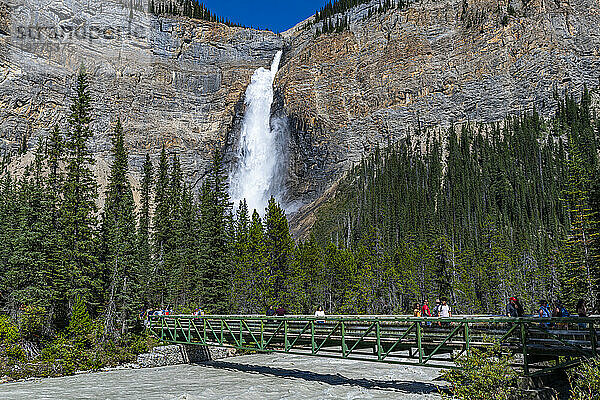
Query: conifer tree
{"points": [[216, 251], [144, 240], [119, 242], [77, 214], [580, 247], [260, 285], [279, 247], [162, 229], [54, 261]]}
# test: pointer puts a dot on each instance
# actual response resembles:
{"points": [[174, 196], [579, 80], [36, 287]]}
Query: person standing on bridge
{"points": [[512, 308], [520, 309], [320, 313], [270, 311], [425, 311], [417, 310], [445, 310], [582, 313], [280, 312], [544, 312]]}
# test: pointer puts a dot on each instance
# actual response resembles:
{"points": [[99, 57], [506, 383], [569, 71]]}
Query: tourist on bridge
{"points": [[270, 311], [280, 312], [320, 313], [520, 309], [559, 311], [582, 313], [198, 311], [512, 310], [436, 309], [417, 310], [445, 310], [544, 312], [425, 311]]}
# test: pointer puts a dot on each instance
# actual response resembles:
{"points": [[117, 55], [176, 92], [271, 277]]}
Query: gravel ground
{"points": [[263, 376]]}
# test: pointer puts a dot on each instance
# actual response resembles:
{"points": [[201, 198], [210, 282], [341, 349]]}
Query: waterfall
{"points": [[259, 172]]}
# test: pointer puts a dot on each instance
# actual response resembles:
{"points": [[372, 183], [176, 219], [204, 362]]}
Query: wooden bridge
{"points": [[539, 345]]}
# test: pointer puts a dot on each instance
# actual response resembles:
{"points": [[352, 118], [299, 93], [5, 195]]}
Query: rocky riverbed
{"points": [[264, 376]]}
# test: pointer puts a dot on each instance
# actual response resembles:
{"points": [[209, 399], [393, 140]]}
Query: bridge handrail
{"points": [[386, 318]]}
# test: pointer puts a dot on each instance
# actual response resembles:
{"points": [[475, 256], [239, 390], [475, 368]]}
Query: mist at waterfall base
{"points": [[262, 151]]}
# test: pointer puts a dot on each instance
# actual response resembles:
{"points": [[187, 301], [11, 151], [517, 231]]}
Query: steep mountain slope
{"points": [[429, 64]]}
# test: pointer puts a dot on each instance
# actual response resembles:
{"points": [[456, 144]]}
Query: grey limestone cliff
{"points": [[173, 82]]}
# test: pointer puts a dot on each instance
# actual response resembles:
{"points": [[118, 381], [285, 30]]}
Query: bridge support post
{"points": [[419, 342], [312, 337], [262, 334], [285, 336], [467, 339], [593, 339], [344, 346], [524, 346], [378, 333]]}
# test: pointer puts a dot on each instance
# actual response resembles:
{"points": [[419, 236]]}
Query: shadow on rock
{"points": [[330, 379]]}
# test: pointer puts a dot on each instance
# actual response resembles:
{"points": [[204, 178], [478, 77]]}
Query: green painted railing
{"points": [[540, 345]]}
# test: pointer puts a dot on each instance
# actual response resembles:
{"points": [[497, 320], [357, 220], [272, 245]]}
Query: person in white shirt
{"points": [[320, 313], [445, 310]]}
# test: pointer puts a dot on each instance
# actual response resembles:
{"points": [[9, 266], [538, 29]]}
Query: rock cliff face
{"points": [[428, 65], [181, 82], [175, 82]]}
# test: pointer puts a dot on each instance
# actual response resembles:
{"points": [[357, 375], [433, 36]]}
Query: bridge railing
{"points": [[541, 344]]}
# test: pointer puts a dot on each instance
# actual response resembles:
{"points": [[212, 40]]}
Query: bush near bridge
{"points": [[585, 381], [27, 349], [485, 375]]}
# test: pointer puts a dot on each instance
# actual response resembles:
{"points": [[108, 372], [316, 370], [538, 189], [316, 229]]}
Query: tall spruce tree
{"points": [[162, 230], [279, 247], [216, 249], [119, 243], [144, 239], [78, 209], [56, 265]]}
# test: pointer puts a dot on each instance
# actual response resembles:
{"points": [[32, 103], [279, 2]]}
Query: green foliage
{"points": [[215, 235], [144, 237], [585, 381], [80, 326], [119, 242], [78, 208], [32, 323], [9, 331], [485, 375], [9, 340]]}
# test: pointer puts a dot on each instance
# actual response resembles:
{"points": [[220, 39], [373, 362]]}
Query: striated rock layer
{"points": [[181, 83]]}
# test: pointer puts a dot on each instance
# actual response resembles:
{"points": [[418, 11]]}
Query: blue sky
{"points": [[270, 14]]}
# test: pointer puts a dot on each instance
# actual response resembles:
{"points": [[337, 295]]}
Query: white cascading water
{"points": [[261, 152]]}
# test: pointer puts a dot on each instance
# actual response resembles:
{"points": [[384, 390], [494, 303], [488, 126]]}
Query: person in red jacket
{"points": [[425, 311]]}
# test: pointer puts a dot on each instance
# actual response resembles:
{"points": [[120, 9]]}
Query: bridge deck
{"points": [[542, 345]]}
